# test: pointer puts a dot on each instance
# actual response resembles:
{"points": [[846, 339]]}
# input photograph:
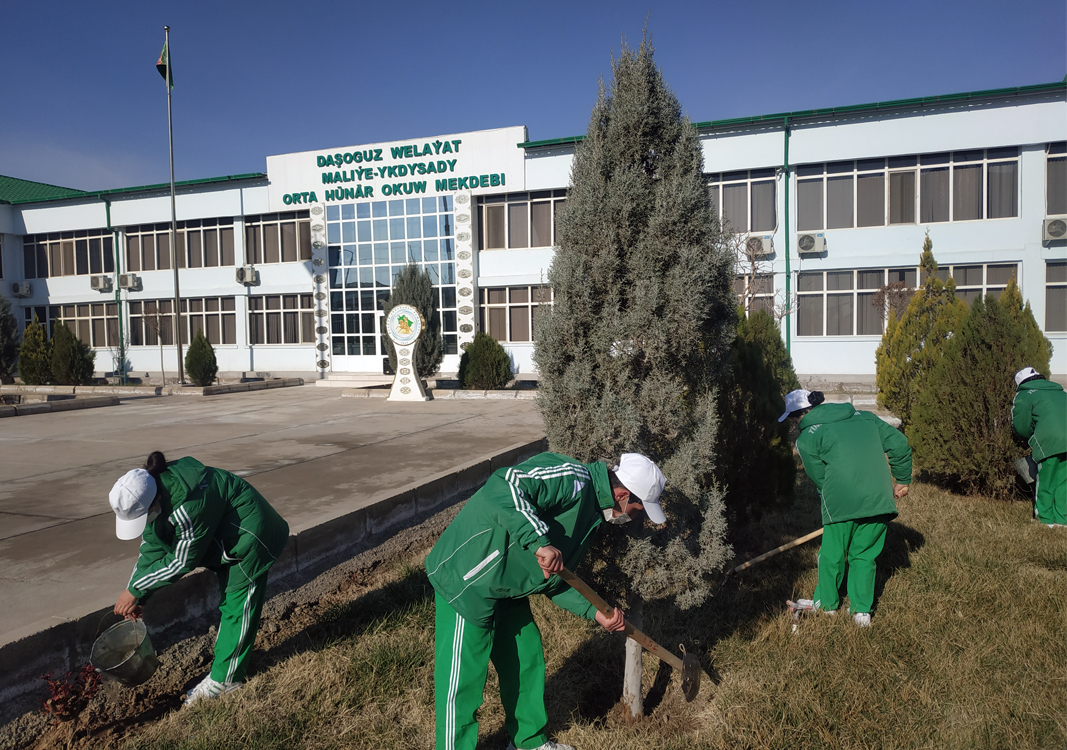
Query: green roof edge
{"points": [[143, 188], [852, 108]]}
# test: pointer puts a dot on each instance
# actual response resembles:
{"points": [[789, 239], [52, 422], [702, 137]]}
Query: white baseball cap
{"points": [[131, 498], [795, 400], [1025, 373], [645, 482]]}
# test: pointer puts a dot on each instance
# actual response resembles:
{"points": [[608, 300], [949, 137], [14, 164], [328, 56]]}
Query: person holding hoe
{"points": [[844, 452], [1039, 416], [189, 515], [506, 544]]}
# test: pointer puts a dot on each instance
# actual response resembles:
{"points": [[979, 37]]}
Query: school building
{"points": [[284, 270]]}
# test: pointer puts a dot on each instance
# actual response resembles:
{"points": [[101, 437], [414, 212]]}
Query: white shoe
{"points": [[549, 745], [863, 619], [830, 612], [209, 688]]}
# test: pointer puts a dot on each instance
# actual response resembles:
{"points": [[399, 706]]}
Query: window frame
{"points": [[510, 309], [498, 214]]}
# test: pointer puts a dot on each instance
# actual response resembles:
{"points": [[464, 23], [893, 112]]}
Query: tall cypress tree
{"points": [[35, 355], [639, 333], [9, 341], [413, 286]]}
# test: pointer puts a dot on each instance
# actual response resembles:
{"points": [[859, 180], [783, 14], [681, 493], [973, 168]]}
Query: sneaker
{"points": [[209, 688], [549, 745], [830, 612], [863, 619]]}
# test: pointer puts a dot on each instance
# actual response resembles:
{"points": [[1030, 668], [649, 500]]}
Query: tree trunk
{"points": [[631, 681]]}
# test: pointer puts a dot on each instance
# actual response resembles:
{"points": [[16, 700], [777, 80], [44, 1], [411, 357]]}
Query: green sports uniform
{"points": [[1039, 415], [483, 569], [214, 519], [844, 452]]}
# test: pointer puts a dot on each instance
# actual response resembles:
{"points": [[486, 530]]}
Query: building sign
{"points": [[486, 161]]}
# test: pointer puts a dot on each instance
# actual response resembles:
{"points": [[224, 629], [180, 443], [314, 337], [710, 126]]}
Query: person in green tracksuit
{"points": [[523, 526], [844, 452], [189, 515], [1039, 416]]}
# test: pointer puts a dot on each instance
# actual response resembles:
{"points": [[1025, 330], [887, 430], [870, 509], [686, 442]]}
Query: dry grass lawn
{"points": [[968, 649]]}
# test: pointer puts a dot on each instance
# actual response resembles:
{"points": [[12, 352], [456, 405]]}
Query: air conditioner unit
{"points": [[1054, 229], [21, 289], [758, 245], [100, 283], [247, 275], [811, 244], [129, 281]]}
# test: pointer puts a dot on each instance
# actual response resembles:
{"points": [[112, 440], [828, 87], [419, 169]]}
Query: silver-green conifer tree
{"points": [[639, 334]]}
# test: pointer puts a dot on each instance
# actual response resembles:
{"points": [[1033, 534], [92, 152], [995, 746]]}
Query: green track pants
{"points": [[462, 652], [855, 543], [240, 611], [1050, 501]]}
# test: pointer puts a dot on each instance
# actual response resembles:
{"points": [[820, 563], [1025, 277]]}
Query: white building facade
{"points": [[284, 271]]}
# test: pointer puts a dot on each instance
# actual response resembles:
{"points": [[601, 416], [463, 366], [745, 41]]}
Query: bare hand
{"points": [[550, 559], [900, 491], [612, 624], [127, 606]]}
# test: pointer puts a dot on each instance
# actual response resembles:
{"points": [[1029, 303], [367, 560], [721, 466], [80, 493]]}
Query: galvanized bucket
{"points": [[124, 653]]}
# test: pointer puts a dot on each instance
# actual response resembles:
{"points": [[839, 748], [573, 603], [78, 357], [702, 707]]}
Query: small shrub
{"points": [[35, 355], [9, 341], [69, 695], [72, 359], [200, 363], [484, 365]]}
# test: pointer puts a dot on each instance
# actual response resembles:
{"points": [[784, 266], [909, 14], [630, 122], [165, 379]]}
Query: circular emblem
{"points": [[405, 380], [404, 324], [405, 390], [318, 262], [405, 371], [464, 345], [463, 255], [318, 244], [465, 328], [462, 198], [317, 210], [466, 310], [320, 295], [316, 227], [465, 291], [320, 279], [405, 352], [463, 218], [405, 362], [463, 236], [464, 273], [322, 347], [323, 363], [321, 313], [322, 330]]}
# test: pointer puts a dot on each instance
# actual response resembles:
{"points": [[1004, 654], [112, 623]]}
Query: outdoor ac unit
{"points": [[129, 281], [21, 289], [1054, 229], [101, 283], [247, 275], [758, 245], [811, 244]]}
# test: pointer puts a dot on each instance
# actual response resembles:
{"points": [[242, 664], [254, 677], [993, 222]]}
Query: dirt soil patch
{"points": [[116, 712]]}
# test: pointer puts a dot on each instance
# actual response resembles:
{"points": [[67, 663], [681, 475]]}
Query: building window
{"points": [[755, 292], [95, 323], [1056, 179], [519, 220], [369, 244], [1056, 295], [961, 186], [278, 238], [509, 313], [202, 243], [851, 302], [68, 254], [745, 201], [153, 320], [281, 319], [977, 280]]}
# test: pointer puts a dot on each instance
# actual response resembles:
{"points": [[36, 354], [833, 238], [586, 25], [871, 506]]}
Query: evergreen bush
{"points": [[72, 359], [961, 434], [484, 365], [200, 363], [911, 346], [9, 342], [35, 355], [755, 464], [413, 286]]}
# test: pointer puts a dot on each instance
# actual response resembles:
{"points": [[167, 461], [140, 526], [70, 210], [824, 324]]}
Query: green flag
{"points": [[163, 66]]}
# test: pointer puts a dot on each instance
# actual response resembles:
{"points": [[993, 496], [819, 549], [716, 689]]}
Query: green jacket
{"points": [[487, 552], [844, 452], [209, 518], [1039, 415]]}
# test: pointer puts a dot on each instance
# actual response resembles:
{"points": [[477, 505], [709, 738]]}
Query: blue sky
{"points": [[81, 103]]}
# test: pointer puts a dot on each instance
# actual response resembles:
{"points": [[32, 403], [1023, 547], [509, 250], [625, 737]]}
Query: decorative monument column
{"points": [[466, 270], [403, 325]]}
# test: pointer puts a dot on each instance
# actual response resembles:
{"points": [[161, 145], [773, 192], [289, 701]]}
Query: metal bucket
{"points": [[124, 653], [1026, 468]]}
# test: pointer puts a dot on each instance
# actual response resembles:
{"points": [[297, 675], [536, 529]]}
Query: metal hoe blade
{"points": [[690, 676]]}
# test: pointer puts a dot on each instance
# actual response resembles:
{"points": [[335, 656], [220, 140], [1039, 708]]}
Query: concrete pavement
{"points": [[314, 455]]}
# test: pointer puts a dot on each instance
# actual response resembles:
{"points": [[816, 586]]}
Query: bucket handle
{"points": [[100, 625]]}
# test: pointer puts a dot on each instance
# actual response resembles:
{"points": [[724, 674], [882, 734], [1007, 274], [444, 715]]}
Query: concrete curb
{"points": [[438, 394], [149, 390], [65, 647], [47, 407]]}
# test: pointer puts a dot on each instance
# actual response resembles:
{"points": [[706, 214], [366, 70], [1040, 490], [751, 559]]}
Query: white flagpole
{"points": [[174, 221]]}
